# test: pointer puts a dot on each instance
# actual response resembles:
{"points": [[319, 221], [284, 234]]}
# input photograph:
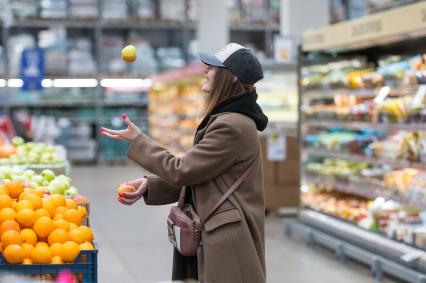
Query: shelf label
{"points": [[412, 256], [420, 95], [277, 148], [383, 93]]}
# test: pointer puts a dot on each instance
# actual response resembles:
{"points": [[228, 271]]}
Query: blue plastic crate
{"points": [[85, 267]]}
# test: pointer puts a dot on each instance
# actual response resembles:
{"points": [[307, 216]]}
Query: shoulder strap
{"points": [[235, 186]]}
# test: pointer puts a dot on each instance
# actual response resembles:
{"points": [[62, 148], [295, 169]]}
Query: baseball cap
{"points": [[238, 60]]}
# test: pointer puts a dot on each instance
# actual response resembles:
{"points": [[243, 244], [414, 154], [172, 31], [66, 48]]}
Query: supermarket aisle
{"points": [[134, 247]]}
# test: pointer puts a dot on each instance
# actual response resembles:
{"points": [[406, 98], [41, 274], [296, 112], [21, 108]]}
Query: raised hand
{"points": [[128, 134]]}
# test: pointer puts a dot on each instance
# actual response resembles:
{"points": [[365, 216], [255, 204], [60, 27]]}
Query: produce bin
{"points": [[85, 270]]}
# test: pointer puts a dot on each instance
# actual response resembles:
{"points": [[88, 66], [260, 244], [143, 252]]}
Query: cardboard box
{"points": [[281, 177]]}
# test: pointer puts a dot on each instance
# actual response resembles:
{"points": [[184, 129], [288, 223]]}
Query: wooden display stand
{"points": [[281, 173]]}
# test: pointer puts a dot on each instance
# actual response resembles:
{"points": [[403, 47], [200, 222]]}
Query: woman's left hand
{"points": [[128, 134]]}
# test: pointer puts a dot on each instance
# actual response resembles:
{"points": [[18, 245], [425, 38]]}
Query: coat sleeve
{"points": [[160, 192], [212, 156]]}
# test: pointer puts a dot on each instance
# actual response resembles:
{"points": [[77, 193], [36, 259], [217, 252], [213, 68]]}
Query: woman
{"points": [[225, 144]]}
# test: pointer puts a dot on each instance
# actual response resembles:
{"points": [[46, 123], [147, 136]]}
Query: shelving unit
{"points": [[349, 129], [159, 32]]}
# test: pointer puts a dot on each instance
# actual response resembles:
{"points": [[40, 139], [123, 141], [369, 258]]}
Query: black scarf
{"points": [[244, 104]]}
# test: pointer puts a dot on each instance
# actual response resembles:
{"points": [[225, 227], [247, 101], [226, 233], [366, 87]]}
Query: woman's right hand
{"points": [[141, 186]]}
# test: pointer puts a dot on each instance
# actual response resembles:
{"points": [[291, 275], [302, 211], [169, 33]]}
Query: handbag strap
{"points": [[234, 187]]}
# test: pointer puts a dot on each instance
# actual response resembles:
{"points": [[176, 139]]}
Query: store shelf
{"points": [[105, 24], [255, 27], [362, 158], [126, 104], [369, 191], [344, 250], [360, 93], [71, 104], [384, 254], [366, 125]]}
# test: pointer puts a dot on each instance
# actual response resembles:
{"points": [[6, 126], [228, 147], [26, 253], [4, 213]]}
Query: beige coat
{"points": [[233, 237]]}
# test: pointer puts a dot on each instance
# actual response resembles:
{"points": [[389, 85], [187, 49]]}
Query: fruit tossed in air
{"points": [[128, 53]]}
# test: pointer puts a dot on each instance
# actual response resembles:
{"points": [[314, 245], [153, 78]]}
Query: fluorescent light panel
{"points": [[126, 83], [15, 83], [3, 83], [75, 83]]}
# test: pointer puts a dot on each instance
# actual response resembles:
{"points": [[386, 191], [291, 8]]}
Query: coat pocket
{"points": [[222, 218]]}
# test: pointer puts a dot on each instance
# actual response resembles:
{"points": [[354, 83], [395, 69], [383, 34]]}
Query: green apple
{"points": [[66, 183], [48, 175], [20, 178], [7, 172], [29, 173], [57, 187], [71, 192], [17, 141], [39, 180], [63, 177]]}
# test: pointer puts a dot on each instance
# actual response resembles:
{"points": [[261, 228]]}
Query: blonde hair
{"points": [[223, 87]]}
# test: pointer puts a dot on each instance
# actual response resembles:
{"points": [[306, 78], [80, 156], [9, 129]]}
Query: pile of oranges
{"points": [[40, 229]]}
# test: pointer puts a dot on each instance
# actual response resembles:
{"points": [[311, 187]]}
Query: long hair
{"points": [[223, 87]]}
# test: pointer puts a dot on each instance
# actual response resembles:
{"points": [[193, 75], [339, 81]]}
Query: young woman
{"points": [[225, 144]]}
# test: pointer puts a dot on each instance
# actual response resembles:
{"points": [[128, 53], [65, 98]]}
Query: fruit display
{"points": [[32, 154], [174, 112], [6, 149], [38, 228], [357, 73], [383, 216], [47, 181]]}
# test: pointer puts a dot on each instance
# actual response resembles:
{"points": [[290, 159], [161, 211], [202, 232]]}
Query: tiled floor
{"points": [[133, 246]]}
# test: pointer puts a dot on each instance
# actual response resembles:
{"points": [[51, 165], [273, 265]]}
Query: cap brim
{"points": [[210, 60]]}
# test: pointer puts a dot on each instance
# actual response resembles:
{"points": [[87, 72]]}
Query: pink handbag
{"points": [[184, 225]]}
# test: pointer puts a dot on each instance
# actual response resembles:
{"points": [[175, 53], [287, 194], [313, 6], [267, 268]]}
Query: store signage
{"points": [[32, 69], [381, 28], [277, 148]]}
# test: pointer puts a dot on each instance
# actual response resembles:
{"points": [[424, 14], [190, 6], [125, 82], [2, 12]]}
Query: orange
{"points": [[35, 200], [38, 192], [58, 216], [49, 206], [5, 201], [70, 203], [44, 244], [43, 226], [58, 200], [72, 226], [26, 217], [14, 203], [56, 249], [61, 210], [86, 246], [70, 251], [41, 255], [1, 247], [7, 213], [61, 223], [11, 237], [24, 204], [14, 254], [4, 190], [41, 212], [57, 260], [29, 236], [23, 195], [82, 210], [72, 215], [57, 236], [28, 249], [77, 236], [14, 188], [9, 225], [87, 233], [27, 261]]}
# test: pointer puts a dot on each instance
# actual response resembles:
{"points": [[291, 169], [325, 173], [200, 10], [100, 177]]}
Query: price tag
{"points": [[420, 95], [277, 148], [383, 93]]}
